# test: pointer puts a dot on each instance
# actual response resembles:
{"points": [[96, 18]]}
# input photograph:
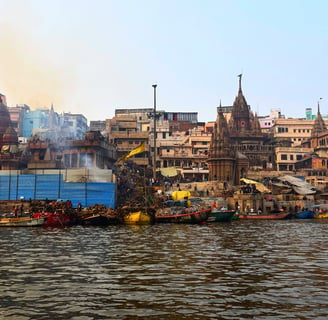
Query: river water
{"points": [[237, 270]]}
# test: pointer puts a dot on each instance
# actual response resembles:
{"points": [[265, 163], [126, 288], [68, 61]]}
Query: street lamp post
{"points": [[154, 162]]}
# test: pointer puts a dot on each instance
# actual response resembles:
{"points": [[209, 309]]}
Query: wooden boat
{"points": [[274, 215], [320, 211], [56, 220], [138, 217], [98, 215], [321, 215], [98, 220], [22, 222], [305, 214], [191, 217], [189, 211], [219, 210], [218, 215]]}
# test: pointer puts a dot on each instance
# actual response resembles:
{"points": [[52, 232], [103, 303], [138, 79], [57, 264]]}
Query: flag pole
{"points": [[154, 164]]}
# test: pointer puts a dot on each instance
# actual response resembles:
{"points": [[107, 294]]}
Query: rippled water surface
{"points": [[237, 270]]}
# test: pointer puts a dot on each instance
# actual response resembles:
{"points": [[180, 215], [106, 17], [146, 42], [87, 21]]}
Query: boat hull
{"points": [[307, 214], [138, 217], [22, 222], [191, 218], [269, 216], [221, 216], [321, 215], [98, 220], [55, 220]]}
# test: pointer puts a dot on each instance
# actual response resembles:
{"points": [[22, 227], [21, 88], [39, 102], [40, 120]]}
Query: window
{"points": [[281, 130], [299, 157], [67, 160], [291, 157], [74, 160], [284, 157], [82, 160]]}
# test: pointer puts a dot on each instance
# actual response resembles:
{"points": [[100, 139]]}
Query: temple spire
{"points": [[319, 125], [319, 105], [240, 76]]}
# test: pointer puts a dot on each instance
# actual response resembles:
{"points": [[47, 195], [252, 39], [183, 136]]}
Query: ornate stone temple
{"points": [[11, 157], [238, 143]]}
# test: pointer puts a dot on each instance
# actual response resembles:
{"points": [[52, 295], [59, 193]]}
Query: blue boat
{"points": [[305, 214]]}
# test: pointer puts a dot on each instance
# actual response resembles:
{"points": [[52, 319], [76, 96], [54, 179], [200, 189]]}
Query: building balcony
{"points": [[38, 145]]}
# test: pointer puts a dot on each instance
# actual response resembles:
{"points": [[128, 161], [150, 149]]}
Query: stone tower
{"points": [[319, 127]]}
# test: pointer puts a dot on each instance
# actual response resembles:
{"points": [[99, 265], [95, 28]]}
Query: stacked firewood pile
{"points": [[96, 209], [62, 207], [133, 191]]}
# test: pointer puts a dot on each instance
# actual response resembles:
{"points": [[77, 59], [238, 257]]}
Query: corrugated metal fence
{"points": [[52, 187]]}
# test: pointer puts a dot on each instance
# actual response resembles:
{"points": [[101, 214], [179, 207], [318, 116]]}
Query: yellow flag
{"points": [[133, 152]]}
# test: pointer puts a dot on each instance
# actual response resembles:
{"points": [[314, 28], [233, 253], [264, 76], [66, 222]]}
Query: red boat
{"points": [[191, 211], [55, 220], [275, 215]]}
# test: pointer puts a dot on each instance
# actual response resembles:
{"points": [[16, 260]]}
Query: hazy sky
{"points": [[95, 56]]}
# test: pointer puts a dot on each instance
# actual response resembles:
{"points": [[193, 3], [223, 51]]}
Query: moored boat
{"points": [[320, 211], [138, 217], [304, 214], [191, 211], [56, 220], [321, 215], [21, 221], [98, 215], [219, 209], [98, 220], [218, 215], [275, 215]]}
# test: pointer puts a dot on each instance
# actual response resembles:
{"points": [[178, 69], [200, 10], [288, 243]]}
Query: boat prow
{"points": [[22, 222]]}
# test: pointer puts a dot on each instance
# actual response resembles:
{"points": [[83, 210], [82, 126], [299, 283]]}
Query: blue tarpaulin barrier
{"points": [[52, 187]]}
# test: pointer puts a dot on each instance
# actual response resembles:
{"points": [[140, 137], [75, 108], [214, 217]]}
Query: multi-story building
{"points": [[267, 122], [130, 127], [295, 130], [91, 152], [17, 115], [142, 116], [187, 152], [98, 125], [73, 126], [35, 119], [286, 158], [123, 132]]}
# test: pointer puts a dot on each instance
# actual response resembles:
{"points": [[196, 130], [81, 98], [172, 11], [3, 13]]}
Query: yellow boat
{"points": [[138, 217], [319, 215], [320, 211]]}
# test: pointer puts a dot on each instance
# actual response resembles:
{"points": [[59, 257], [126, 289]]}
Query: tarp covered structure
{"points": [[298, 185], [169, 172], [259, 186], [180, 195]]}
